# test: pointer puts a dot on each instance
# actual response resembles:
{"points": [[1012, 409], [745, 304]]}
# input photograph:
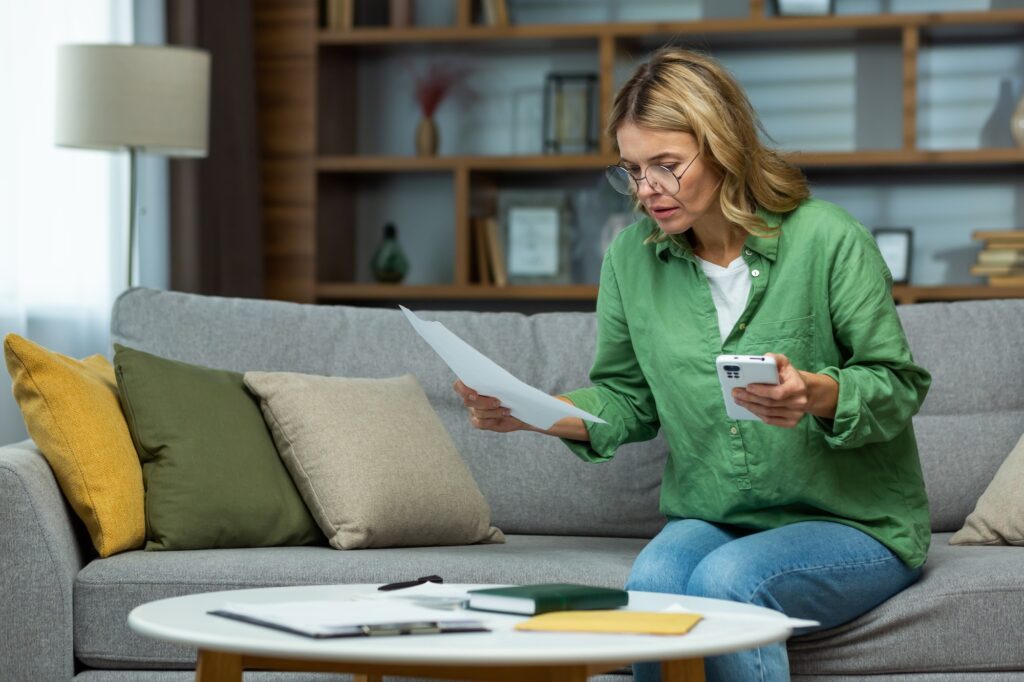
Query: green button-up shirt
{"points": [[821, 295]]}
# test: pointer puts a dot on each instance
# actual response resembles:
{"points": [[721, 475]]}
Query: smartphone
{"points": [[739, 371]]}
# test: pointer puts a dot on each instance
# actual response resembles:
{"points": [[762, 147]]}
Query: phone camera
{"points": [[732, 371]]}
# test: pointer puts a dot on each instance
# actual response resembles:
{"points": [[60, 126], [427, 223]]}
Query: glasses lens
{"points": [[619, 179], [662, 180]]}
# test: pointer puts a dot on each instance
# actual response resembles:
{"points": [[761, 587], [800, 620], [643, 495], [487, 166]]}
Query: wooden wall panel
{"points": [[285, 37]]}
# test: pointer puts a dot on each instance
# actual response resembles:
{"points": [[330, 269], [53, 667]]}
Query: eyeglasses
{"points": [[661, 179]]}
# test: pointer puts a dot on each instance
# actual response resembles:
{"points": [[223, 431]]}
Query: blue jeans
{"points": [[818, 570]]}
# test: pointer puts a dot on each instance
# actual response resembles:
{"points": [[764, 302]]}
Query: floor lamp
{"points": [[139, 98]]}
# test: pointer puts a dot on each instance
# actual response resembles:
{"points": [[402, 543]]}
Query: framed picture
{"points": [[535, 229], [897, 247], [804, 8]]}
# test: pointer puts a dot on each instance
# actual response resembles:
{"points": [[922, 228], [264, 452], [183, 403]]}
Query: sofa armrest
{"points": [[39, 559]]}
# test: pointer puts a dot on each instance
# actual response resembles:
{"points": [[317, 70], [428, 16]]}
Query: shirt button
{"points": [[748, 252], [755, 273], [733, 430], [743, 325]]}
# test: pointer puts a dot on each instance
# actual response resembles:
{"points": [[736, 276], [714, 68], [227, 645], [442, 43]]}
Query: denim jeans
{"points": [[818, 570]]}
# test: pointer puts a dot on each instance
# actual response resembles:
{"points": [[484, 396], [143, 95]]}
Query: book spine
{"points": [[589, 602]]}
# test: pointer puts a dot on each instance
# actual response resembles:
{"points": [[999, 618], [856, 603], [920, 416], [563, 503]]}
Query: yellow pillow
{"points": [[72, 412]]}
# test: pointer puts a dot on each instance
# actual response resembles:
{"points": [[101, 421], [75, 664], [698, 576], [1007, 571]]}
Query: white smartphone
{"points": [[739, 371]]}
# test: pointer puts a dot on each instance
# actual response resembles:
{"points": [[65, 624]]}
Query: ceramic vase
{"points": [[389, 263], [426, 137]]}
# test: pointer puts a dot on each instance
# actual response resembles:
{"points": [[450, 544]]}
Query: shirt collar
{"points": [[766, 246]]}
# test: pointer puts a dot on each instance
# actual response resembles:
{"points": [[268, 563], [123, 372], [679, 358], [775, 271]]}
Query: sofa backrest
{"points": [[532, 482], [973, 415]]}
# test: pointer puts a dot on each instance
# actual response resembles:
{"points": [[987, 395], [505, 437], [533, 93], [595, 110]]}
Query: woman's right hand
{"points": [[486, 412]]}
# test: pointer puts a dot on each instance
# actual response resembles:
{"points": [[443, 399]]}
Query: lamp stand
{"points": [[132, 153]]}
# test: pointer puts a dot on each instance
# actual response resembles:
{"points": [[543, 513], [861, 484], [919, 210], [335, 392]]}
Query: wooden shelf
{"points": [[385, 292], [330, 291], [952, 158], [746, 26]]}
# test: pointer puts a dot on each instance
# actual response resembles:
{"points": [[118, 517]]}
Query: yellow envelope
{"points": [[621, 622]]}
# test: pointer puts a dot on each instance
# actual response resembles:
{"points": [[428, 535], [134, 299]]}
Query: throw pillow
{"points": [[213, 477], [998, 517], [72, 412], [373, 461]]}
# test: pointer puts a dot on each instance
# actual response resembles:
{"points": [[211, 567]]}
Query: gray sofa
{"points": [[63, 612]]}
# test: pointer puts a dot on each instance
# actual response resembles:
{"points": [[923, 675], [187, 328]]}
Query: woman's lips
{"points": [[663, 211]]}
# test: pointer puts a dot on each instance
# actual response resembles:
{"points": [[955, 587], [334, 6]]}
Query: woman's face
{"points": [[642, 148]]}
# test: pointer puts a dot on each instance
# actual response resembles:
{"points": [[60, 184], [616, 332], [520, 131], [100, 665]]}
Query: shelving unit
{"points": [[312, 173]]}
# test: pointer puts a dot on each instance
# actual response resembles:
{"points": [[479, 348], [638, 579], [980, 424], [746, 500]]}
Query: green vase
{"points": [[389, 262]]}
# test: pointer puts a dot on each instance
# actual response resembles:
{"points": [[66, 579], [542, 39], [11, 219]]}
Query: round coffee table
{"points": [[227, 647]]}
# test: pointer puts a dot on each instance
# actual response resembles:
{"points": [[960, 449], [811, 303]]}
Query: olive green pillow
{"points": [[212, 476]]}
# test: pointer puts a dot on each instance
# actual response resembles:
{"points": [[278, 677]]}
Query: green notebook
{"points": [[534, 599]]}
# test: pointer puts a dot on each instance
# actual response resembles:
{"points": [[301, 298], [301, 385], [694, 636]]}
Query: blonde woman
{"points": [[817, 510]]}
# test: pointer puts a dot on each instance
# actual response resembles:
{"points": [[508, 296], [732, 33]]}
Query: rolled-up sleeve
{"points": [[619, 393], [880, 386]]}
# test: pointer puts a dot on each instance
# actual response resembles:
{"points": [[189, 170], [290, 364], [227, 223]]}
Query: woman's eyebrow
{"points": [[657, 157]]}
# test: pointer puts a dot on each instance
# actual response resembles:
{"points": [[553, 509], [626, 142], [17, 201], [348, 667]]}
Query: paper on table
{"points": [[483, 375], [738, 615]]}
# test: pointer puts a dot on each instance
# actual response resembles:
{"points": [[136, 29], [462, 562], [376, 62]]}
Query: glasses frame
{"points": [[635, 188]]}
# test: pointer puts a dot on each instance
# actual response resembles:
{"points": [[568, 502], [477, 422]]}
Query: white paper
{"points": [[739, 615], [325, 617], [528, 404]]}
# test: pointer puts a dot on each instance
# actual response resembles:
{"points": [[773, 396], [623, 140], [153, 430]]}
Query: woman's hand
{"points": [[486, 413], [796, 394]]}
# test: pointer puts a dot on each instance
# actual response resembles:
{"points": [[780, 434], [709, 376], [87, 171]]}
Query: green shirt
{"points": [[821, 295]]}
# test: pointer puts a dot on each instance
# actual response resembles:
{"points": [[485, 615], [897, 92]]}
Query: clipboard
{"points": [[369, 630]]}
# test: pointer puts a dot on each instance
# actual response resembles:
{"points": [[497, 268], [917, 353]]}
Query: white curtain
{"points": [[63, 212]]}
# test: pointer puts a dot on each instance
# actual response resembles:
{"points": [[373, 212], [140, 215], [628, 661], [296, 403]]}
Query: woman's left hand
{"points": [[783, 404]]}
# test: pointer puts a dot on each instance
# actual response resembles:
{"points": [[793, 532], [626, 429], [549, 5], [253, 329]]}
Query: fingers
{"points": [[472, 399]]}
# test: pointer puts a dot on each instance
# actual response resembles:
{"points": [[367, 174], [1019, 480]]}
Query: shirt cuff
{"points": [[605, 439], [839, 431]]}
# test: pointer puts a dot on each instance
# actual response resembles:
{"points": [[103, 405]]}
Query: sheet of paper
{"points": [[734, 615], [483, 375]]}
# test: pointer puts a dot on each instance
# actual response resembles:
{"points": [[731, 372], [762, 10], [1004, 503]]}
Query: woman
{"points": [[817, 510]]}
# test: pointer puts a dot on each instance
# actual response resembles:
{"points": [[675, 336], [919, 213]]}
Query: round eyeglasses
{"points": [[661, 179]]}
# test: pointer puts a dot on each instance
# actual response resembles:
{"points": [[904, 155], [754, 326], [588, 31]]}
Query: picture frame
{"points": [[897, 247], [803, 8], [570, 113], [535, 230]]}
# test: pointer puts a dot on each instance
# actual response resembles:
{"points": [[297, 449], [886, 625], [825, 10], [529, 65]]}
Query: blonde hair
{"points": [[679, 90]]}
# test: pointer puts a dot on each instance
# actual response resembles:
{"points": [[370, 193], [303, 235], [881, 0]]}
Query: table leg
{"points": [[688, 670], [215, 666]]}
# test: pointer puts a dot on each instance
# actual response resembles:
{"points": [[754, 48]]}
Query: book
{"points": [[340, 14], [1000, 270], [481, 251], [1001, 239], [1007, 257], [542, 598], [1007, 281], [498, 268], [617, 622]]}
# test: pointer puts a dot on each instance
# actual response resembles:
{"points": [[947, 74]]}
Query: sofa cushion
{"points": [[954, 619], [107, 590], [213, 477], [72, 411], [998, 518], [533, 484], [372, 461]]}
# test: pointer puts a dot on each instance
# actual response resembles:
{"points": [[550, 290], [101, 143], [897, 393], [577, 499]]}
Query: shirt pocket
{"points": [[792, 337]]}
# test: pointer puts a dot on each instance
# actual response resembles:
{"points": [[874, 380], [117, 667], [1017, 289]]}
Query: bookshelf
{"points": [[314, 174]]}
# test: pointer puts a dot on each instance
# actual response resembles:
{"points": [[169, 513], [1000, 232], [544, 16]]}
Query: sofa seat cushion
{"points": [[954, 619], [108, 589]]}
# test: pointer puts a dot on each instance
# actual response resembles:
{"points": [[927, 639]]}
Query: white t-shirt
{"points": [[730, 287]]}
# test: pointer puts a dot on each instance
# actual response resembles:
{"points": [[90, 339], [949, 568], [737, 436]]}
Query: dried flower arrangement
{"points": [[439, 80]]}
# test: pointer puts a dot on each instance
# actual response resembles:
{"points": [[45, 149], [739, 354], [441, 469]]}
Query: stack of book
{"points": [[488, 254], [1002, 259]]}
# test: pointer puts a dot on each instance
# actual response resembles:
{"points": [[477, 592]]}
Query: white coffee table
{"points": [[226, 647]]}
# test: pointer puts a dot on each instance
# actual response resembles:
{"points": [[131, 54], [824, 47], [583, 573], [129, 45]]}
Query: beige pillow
{"points": [[998, 518], [372, 461]]}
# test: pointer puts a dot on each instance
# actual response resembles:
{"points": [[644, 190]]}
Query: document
{"points": [[349, 618], [528, 404], [781, 619]]}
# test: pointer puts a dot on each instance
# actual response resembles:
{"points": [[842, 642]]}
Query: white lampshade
{"points": [[152, 98]]}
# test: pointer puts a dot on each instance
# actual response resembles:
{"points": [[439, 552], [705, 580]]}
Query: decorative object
{"points": [[369, 479], [998, 130], [804, 8], [432, 86], [998, 516], [139, 98], [212, 475], [389, 262], [1017, 122], [897, 247], [570, 118], [72, 412], [401, 13], [537, 242]]}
